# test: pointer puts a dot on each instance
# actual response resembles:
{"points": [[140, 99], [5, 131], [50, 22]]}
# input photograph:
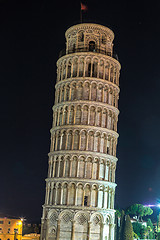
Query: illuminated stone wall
{"points": [[80, 187]]}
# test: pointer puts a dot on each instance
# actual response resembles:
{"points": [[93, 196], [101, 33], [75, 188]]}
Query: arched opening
{"points": [[74, 47], [81, 36], [92, 46], [67, 167], [79, 195], [89, 70], [95, 227], [52, 225], [87, 192], [71, 195], [64, 193]]}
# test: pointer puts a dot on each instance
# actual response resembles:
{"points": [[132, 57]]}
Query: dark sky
{"points": [[31, 36]]}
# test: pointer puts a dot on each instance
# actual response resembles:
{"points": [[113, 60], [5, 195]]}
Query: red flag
{"points": [[83, 7]]}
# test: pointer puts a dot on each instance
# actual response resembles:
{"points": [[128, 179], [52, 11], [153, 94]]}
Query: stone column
{"points": [[54, 165], [105, 197], [51, 195], [73, 231], [89, 230], [58, 231], [47, 193]]}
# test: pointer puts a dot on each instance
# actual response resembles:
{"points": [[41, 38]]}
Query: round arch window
{"points": [[92, 46]]}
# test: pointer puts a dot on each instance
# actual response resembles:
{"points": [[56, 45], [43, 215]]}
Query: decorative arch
{"points": [[81, 67], [52, 224], [65, 220], [78, 115], [81, 166], [83, 140], [94, 195], [71, 194], [64, 193], [81, 225], [86, 90], [95, 226], [79, 195], [87, 195]]}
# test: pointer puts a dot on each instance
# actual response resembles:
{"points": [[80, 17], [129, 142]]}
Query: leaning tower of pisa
{"points": [[80, 186]]}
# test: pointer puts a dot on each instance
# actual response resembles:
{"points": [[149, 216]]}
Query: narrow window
{"points": [[85, 200], [89, 69]]}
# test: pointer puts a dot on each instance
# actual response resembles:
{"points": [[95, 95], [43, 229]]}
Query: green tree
{"points": [[135, 236], [158, 222], [158, 236], [150, 229], [128, 229], [139, 210], [139, 229], [148, 211], [132, 209], [149, 223]]}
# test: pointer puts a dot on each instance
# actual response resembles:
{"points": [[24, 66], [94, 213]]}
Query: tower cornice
{"points": [[77, 180], [83, 153], [84, 127], [92, 79], [89, 103], [90, 54]]}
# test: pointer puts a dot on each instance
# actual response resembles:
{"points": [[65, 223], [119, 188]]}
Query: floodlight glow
{"points": [[152, 205]]}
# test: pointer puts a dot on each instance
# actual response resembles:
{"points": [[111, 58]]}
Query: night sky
{"points": [[31, 36]]}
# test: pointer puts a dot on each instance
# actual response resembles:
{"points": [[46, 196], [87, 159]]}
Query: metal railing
{"points": [[97, 50]]}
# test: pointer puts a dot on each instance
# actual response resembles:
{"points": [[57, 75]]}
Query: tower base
{"points": [[77, 224]]}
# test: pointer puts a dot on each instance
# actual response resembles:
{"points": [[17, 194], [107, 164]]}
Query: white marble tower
{"points": [[80, 187]]}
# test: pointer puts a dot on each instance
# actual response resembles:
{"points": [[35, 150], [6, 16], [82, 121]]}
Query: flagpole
{"points": [[80, 13], [81, 16]]}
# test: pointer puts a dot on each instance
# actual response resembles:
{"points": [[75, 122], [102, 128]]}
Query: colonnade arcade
{"points": [[88, 90], [80, 194], [91, 225], [88, 66], [82, 114], [84, 140], [82, 166]]}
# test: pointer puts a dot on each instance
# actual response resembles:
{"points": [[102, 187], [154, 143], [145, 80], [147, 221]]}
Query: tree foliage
{"points": [[128, 229], [139, 210], [158, 236], [150, 229], [149, 223], [139, 229], [135, 236]]}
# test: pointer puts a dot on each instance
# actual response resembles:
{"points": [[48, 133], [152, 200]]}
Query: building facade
{"points": [[80, 187], [10, 229]]}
